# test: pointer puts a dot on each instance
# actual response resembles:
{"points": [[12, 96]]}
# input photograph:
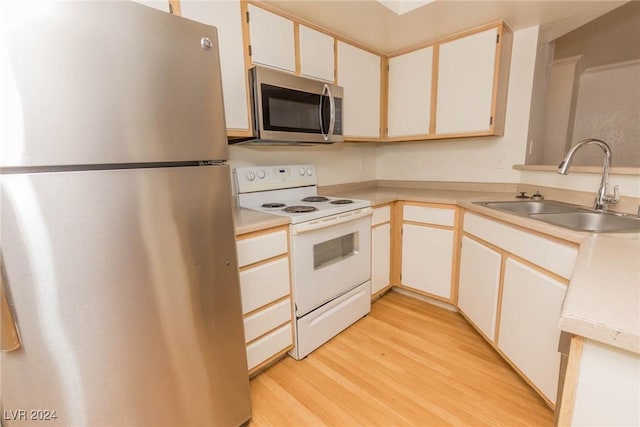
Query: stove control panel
{"points": [[264, 178]]}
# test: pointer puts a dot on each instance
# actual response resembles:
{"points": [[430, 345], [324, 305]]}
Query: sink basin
{"points": [[569, 216], [527, 207], [598, 222]]}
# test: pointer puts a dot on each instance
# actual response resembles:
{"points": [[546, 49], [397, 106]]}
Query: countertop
{"points": [[247, 221], [603, 298]]}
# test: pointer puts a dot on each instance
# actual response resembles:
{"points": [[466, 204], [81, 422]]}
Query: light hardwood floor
{"points": [[406, 363]]}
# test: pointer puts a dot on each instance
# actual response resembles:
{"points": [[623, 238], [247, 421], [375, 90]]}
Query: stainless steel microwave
{"points": [[290, 109]]}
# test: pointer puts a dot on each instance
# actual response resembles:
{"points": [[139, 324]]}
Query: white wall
{"points": [[335, 164], [476, 159]]}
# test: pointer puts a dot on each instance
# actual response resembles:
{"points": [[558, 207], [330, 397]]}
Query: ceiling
{"points": [[375, 26]]}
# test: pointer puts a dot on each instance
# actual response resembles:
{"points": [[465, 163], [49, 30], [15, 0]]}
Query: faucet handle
{"points": [[613, 198]]}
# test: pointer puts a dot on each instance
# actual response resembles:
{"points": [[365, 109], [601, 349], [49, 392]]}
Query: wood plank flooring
{"points": [[406, 363]]}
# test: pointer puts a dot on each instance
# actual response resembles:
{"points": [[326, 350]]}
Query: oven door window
{"points": [[289, 110], [334, 250]]}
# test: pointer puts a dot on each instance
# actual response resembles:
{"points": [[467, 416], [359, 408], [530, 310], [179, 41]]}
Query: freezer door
{"points": [[107, 82], [124, 286]]}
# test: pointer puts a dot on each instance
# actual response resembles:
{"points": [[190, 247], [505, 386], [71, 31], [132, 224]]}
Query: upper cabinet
{"points": [[448, 88], [272, 39], [359, 75], [227, 17], [466, 73], [317, 54], [410, 80], [455, 87]]}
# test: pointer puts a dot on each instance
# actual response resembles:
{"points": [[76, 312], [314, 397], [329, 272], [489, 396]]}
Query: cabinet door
{"points": [[529, 332], [316, 54], [479, 284], [359, 75], [380, 257], [465, 83], [410, 93], [272, 39], [226, 16], [427, 255]]}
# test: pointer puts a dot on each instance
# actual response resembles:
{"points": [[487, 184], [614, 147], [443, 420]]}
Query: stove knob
{"points": [[302, 171], [261, 174], [309, 171], [251, 175]]}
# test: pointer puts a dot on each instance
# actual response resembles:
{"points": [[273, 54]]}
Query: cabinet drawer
{"points": [[553, 256], [263, 321], [428, 215], [265, 283], [257, 248], [269, 345], [381, 215]]}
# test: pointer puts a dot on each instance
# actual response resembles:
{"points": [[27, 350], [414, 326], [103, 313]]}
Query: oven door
{"points": [[329, 257]]}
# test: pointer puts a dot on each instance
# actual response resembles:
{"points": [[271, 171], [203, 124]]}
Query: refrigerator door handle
{"points": [[9, 336]]}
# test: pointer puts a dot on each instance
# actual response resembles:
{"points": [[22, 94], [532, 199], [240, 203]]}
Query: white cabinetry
{"points": [[272, 39], [602, 386], [226, 16], [316, 54], [428, 249], [479, 284], [529, 333], [473, 71], [465, 83], [512, 284], [409, 107], [380, 249], [359, 75], [265, 289]]}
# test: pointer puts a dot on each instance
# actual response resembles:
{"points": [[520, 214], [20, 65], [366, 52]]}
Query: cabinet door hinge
{"points": [[247, 16], [490, 120], [497, 38], [249, 50]]}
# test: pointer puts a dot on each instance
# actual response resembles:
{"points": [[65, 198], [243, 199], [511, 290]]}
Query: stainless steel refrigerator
{"points": [[121, 304]]}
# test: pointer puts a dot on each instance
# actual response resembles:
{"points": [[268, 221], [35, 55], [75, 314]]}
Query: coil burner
{"points": [[341, 202], [299, 209], [273, 205], [315, 199]]}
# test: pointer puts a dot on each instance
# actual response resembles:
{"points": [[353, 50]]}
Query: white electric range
{"points": [[330, 239]]}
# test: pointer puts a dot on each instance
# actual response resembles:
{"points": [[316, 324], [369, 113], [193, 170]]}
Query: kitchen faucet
{"points": [[602, 198]]}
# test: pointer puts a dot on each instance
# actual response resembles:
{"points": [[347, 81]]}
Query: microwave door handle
{"points": [[325, 90], [332, 104]]}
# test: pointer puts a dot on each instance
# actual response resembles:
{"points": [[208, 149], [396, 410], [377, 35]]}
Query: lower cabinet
{"points": [[380, 249], [512, 285], [428, 249], [529, 333], [479, 285], [265, 288]]}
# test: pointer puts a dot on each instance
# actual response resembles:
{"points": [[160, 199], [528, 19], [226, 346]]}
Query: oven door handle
{"points": [[318, 224]]}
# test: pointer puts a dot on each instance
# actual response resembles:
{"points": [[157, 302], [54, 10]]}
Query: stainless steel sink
{"points": [[597, 222], [527, 207], [569, 216]]}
